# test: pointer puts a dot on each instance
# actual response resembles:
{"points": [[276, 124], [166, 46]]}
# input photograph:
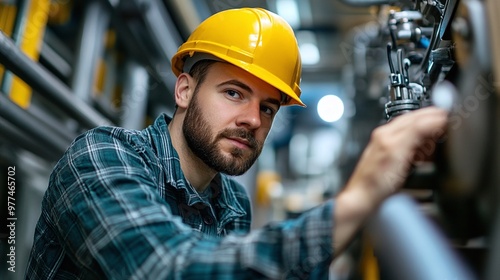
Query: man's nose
{"points": [[250, 116]]}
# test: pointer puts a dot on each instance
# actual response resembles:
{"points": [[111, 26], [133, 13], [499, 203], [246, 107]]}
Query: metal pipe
{"points": [[156, 61], [90, 49], [135, 96], [191, 14], [409, 246], [56, 123], [52, 58], [20, 139], [19, 26], [160, 26], [46, 84], [28, 124]]}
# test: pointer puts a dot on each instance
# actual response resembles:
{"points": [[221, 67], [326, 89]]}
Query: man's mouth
{"points": [[241, 138], [241, 142]]}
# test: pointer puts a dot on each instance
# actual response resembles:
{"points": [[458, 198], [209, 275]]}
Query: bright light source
{"points": [[308, 46], [309, 54], [289, 11], [330, 108], [444, 95]]}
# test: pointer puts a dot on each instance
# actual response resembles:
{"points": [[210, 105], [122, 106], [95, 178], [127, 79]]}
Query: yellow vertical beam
{"points": [[7, 18], [30, 43], [102, 67], [60, 12]]}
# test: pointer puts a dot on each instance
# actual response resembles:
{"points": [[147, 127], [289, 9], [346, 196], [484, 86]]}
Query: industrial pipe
{"points": [[15, 136], [409, 246], [29, 125], [47, 84]]}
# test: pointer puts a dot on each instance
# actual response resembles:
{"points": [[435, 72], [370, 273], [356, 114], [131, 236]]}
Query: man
{"points": [[157, 204]]}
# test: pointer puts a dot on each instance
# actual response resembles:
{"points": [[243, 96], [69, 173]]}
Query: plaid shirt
{"points": [[119, 207]]}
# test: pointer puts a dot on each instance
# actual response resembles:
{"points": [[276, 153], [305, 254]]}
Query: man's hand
{"points": [[384, 167]]}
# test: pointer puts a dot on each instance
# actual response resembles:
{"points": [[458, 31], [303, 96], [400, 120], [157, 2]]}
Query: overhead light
{"points": [[330, 108], [308, 47], [289, 10], [309, 54]]}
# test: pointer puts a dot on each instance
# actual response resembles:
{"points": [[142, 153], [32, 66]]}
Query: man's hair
{"points": [[199, 70]]}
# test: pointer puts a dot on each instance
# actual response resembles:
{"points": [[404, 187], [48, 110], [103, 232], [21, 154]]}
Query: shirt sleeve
{"points": [[109, 216]]}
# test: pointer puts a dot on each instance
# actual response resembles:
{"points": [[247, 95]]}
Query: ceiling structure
{"points": [[329, 22]]}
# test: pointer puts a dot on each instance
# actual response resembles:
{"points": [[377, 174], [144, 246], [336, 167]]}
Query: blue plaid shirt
{"points": [[119, 207]]}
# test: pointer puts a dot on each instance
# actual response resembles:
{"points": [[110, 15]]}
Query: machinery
{"points": [[442, 53]]}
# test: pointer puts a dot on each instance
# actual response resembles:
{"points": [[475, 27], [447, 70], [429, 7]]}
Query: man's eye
{"points": [[233, 93], [268, 110]]}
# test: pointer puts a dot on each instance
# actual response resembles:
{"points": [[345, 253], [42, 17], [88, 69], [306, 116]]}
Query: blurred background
{"points": [[70, 65]]}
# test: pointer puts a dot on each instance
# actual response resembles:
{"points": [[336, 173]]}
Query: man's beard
{"points": [[204, 145]]}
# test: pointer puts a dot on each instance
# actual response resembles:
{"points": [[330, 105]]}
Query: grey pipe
{"points": [[17, 33], [155, 60], [409, 246], [29, 125], [59, 127], [47, 84], [20, 139], [135, 96], [90, 48]]}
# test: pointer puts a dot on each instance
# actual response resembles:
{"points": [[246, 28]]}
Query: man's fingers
{"points": [[431, 122], [395, 146], [418, 127]]}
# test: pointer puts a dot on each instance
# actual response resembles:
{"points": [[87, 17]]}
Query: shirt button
{"points": [[208, 220]]}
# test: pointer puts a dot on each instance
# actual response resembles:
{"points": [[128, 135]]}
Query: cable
{"points": [[389, 57]]}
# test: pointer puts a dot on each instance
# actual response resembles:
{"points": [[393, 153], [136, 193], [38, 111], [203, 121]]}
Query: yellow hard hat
{"points": [[253, 39]]}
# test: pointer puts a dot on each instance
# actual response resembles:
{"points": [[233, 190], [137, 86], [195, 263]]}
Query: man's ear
{"points": [[184, 87]]}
